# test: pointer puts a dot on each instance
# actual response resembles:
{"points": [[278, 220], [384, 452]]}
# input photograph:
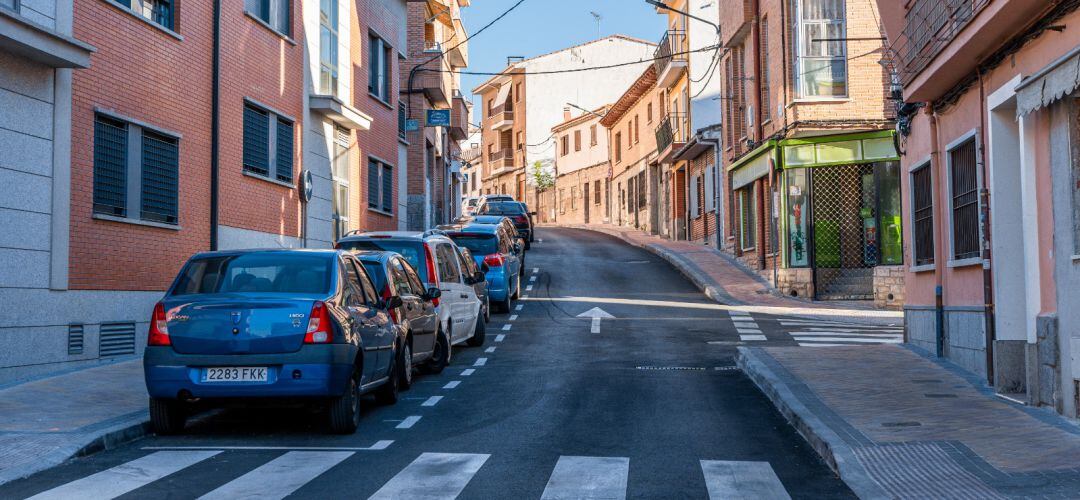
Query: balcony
{"points": [[434, 86], [501, 161], [671, 58], [458, 55], [502, 117], [671, 135], [459, 118]]}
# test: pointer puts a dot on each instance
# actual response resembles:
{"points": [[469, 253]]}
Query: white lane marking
{"points": [[851, 330], [595, 327], [850, 334], [752, 337], [432, 401], [513, 317], [742, 480], [506, 328], [490, 349], [752, 323], [588, 477], [281, 476], [518, 307], [748, 330], [532, 278], [823, 345], [848, 339], [379, 445], [738, 313], [480, 362], [129, 476], [408, 422], [524, 296], [433, 476], [528, 288], [452, 384], [536, 270], [468, 371], [500, 337]]}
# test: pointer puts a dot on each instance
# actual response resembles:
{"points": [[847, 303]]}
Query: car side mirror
{"points": [[393, 302], [532, 214], [479, 277], [517, 247], [432, 294]]}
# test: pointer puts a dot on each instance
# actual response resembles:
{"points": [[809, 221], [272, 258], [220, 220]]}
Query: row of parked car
{"points": [[327, 327]]}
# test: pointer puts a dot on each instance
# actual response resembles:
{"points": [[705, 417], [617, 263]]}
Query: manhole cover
{"points": [[901, 424]]}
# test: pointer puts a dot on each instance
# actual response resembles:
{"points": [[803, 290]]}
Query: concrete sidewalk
{"points": [[48, 421], [895, 423], [726, 282]]}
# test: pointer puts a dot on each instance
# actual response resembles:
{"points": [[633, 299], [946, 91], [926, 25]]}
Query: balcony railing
{"points": [[674, 128], [502, 116], [930, 26], [432, 46], [672, 49], [501, 159], [434, 87]]}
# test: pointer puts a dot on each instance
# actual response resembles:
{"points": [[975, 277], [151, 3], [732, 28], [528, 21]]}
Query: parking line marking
{"points": [[379, 445], [480, 362], [524, 296], [281, 476], [518, 307], [432, 401], [513, 317], [506, 328], [490, 349], [532, 278], [528, 288], [752, 337], [129, 476], [536, 270], [408, 422], [499, 337], [468, 371], [452, 384]]}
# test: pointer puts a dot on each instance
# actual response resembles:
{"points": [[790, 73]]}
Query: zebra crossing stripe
{"points": [[752, 337], [846, 334], [849, 339], [433, 476], [129, 476], [742, 480], [281, 476], [588, 477]]}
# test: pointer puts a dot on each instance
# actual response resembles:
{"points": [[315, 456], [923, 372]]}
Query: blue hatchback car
{"points": [[272, 326], [492, 246]]}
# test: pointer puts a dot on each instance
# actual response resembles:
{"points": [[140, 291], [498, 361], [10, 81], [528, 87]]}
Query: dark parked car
{"points": [[509, 227], [517, 214], [394, 276], [260, 326]]}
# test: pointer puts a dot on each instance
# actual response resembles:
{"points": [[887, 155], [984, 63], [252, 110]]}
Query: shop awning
{"points": [[753, 165], [847, 149], [1048, 85]]}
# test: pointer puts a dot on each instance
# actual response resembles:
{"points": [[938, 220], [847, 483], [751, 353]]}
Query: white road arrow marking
{"points": [[596, 314]]}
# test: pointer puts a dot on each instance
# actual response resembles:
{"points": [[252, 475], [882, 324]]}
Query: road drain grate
{"points": [[685, 368], [901, 424]]}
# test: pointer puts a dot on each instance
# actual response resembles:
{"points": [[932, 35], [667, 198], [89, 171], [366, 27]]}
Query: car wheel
{"points": [[344, 410], [478, 335], [167, 416], [528, 244], [487, 309], [503, 305], [531, 236], [405, 373], [388, 393], [441, 357]]}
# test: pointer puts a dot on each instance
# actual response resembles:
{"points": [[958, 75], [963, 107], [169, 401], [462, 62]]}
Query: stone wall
{"points": [[889, 287], [795, 282]]}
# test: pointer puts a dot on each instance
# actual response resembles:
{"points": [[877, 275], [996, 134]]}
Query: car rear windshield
{"points": [[477, 243], [502, 208], [413, 251], [269, 272], [377, 273]]}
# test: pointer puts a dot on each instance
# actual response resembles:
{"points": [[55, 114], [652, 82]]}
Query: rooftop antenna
{"points": [[598, 18]]}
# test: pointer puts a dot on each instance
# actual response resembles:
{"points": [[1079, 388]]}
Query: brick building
{"points": [[811, 172], [635, 188], [582, 168]]}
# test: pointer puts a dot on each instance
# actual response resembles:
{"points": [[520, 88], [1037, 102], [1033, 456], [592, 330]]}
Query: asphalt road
{"points": [[646, 408]]}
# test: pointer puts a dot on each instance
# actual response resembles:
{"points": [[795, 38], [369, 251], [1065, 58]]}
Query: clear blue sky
{"points": [[540, 26]]}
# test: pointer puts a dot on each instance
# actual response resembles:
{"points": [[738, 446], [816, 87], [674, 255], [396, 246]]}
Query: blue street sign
{"points": [[412, 125], [438, 117]]}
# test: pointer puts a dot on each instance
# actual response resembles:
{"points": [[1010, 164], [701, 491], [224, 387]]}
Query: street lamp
{"points": [[661, 5]]}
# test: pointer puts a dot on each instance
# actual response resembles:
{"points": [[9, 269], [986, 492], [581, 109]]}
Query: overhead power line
{"points": [[579, 70]]}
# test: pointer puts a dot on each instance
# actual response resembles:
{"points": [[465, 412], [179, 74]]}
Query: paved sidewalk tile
{"points": [[915, 427], [45, 422], [726, 282]]}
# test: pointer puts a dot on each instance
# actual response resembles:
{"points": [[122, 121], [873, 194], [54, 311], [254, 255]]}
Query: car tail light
{"points": [[520, 219], [318, 327], [159, 327], [494, 260], [432, 275], [386, 296]]}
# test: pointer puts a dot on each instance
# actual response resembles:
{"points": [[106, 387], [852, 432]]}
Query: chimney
{"points": [[566, 113]]}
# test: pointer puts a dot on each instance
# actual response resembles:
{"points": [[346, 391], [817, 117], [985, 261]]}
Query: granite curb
{"points": [[836, 453]]}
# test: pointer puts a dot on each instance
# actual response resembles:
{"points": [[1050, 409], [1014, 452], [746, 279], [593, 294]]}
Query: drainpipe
{"points": [[755, 36], [939, 288], [984, 223], [215, 126]]}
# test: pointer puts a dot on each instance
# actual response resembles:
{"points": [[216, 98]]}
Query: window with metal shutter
{"points": [[387, 188], [284, 165], [160, 177], [256, 141], [110, 166], [373, 183], [965, 200]]}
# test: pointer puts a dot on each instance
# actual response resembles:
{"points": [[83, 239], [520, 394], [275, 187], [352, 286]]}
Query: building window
{"points": [[379, 71], [577, 140], [10, 4], [402, 121], [268, 144], [275, 13], [155, 11], [648, 113], [747, 199], [564, 145], [340, 173], [380, 186], [642, 194], [764, 71], [136, 171], [596, 192], [328, 47], [618, 147], [822, 67], [520, 140], [592, 135], [964, 190], [573, 197], [517, 94], [637, 129], [922, 214], [695, 206]]}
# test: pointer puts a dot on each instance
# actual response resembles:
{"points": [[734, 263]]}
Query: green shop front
{"points": [[835, 215]]}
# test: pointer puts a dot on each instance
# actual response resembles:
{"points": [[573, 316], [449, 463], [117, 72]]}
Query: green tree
{"points": [[542, 178]]}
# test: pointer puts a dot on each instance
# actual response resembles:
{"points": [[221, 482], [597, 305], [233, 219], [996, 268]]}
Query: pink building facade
{"points": [[991, 168]]}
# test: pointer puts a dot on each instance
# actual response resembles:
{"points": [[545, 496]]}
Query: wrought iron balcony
{"points": [[674, 130], [931, 25], [671, 58]]}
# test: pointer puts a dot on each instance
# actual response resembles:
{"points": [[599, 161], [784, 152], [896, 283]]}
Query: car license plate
{"points": [[235, 374]]}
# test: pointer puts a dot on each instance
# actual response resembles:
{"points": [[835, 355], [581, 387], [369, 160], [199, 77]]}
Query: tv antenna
{"points": [[597, 17]]}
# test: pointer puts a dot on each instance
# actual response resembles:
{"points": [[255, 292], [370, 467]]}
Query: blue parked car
{"points": [[272, 326], [493, 246]]}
